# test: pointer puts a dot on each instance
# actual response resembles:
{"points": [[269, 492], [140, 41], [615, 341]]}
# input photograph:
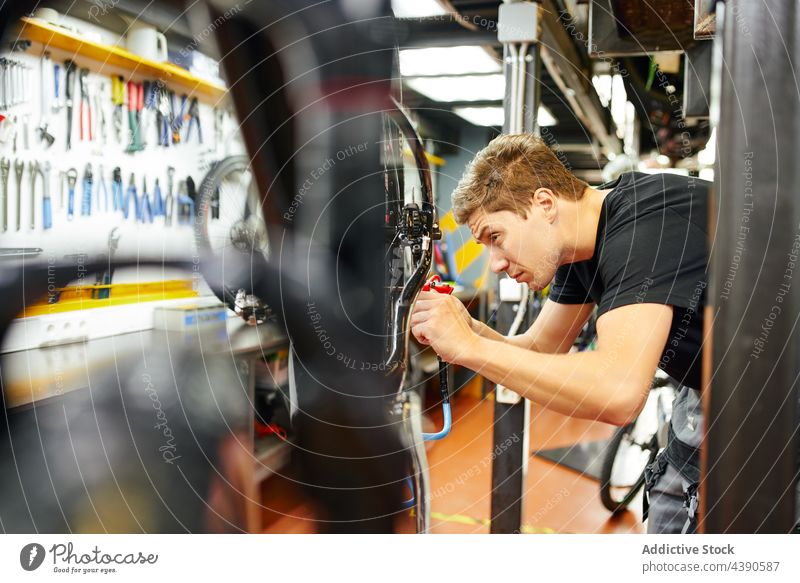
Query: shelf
{"points": [[110, 59]]}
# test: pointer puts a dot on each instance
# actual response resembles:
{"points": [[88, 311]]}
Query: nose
{"points": [[497, 262]]}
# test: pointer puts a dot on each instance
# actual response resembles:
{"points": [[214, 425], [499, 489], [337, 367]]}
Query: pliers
{"points": [[102, 191], [144, 204], [193, 119], [131, 194], [158, 201], [86, 107], [116, 189], [177, 120], [163, 116]]}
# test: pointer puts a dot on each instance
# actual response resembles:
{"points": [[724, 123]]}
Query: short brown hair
{"points": [[505, 174]]}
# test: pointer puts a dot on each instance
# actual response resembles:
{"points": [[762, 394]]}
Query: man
{"points": [[636, 249]]}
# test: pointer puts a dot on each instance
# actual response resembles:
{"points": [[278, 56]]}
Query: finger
{"points": [[418, 318], [419, 334]]}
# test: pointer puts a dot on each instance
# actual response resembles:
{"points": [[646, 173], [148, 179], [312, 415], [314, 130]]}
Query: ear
{"points": [[546, 202]]}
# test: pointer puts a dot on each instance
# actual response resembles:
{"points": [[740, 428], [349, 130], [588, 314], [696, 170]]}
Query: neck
{"points": [[585, 223]]}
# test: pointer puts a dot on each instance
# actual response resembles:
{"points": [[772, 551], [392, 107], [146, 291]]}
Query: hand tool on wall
{"points": [[163, 119], [19, 169], [219, 124], [118, 99], [102, 190], [116, 189], [85, 117], [72, 179], [177, 120], [158, 201], [86, 198], [57, 105], [62, 178], [5, 171], [130, 195], [45, 66], [135, 103], [145, 209], [184, 204], [69, 89], [47, 207], [14, 134], [98, 96], [34, 170], [105, 278], [193, 119], [169, 201], [25, 126]]}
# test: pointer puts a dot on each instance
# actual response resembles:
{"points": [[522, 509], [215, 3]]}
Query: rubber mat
{"points": [[585, 458]]}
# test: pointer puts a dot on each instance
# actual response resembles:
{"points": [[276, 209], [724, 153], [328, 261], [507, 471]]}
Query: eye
{"points": [[494, 238]]}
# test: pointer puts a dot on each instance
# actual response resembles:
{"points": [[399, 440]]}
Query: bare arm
{"points": [[554, 330], [609, 384]]}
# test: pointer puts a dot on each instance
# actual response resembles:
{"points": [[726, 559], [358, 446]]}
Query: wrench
{"points": [[169, 201], [72, 178], [19, 168], [5, 167], [47, 208], [33, 171]]}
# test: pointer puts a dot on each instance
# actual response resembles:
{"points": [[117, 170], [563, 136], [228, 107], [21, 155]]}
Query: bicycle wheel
{"points": [[623, 467], [411, 227], [229, 219]]}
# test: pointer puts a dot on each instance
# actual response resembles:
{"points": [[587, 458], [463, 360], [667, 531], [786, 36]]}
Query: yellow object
{"points": [[81, 297], [110, 59]]}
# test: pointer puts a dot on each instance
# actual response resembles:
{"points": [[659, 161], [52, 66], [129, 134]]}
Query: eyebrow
{"points": [[479, 236]]}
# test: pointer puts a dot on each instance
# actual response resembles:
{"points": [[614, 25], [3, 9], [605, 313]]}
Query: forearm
{"points": [[520, 340], [580, 384]]}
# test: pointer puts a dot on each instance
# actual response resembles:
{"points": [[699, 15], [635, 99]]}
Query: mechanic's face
{"points": [[527, 249]]}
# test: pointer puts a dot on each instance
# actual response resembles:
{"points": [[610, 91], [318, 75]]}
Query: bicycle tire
{"points": [[613, 503]]}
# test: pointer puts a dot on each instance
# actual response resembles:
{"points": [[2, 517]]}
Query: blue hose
{"points": [[413, 500]]}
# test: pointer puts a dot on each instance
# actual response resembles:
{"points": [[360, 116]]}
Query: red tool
{"points": [[434, 283], [270, 429], [86, 107]]}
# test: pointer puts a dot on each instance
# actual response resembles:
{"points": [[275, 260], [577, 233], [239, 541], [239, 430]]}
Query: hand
{"points": [[442, 322]]}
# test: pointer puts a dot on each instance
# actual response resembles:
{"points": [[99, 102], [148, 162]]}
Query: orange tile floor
{"points": [[556, 499]]}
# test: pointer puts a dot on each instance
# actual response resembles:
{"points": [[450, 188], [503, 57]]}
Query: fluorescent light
{"points": [[464, 88], [417, 8], [446, 61], [481, 116], [545, 117], [494, 115]]}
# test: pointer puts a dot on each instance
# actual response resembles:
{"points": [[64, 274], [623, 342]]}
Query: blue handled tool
{"points": [[86, 200], [131, 194], [102, 191], [434, 284], [185, 202], [145, 210], [72, 178], [116, 188], [158, 201], [47, 206]]}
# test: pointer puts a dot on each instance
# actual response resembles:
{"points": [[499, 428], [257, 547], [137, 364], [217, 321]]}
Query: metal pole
{"points": [[751, 370], [519, 32]]}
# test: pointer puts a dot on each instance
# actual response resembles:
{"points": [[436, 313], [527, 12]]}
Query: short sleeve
{"points": [[567, 287], [661, 260]]}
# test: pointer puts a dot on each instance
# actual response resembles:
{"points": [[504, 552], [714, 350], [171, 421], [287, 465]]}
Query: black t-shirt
{"points": [[652, 247]]}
